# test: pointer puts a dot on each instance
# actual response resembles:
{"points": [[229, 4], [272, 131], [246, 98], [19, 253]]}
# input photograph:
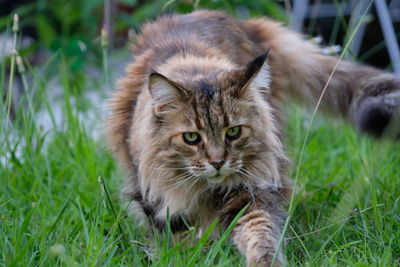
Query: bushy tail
{"points": [[368, 97]]}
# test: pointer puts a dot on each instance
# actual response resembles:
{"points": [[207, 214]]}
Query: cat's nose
{"points": [[217, 164]]}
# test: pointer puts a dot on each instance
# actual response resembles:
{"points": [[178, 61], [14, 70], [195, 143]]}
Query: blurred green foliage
{"points": [[74, 26], [143, 10], [68, 26]]}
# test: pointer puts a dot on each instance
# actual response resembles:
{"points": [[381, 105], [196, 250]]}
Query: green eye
{"points": [[233, 133], [191, 138]]}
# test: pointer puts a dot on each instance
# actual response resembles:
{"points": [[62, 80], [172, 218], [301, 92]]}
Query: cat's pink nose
{"points": [[215, 155], [217, 164]]}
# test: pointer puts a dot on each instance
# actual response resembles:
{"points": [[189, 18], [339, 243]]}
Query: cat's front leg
{"points": [[257, 235], [257, 232]]}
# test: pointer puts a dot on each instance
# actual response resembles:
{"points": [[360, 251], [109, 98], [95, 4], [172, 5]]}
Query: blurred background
{"points": [[69, 32], [73, 27]]}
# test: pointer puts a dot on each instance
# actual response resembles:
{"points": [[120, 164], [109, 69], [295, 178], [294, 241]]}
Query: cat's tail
{"points": [[368, 97]]}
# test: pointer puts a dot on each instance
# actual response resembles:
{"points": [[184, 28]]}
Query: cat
{"points": [[197, 121]]}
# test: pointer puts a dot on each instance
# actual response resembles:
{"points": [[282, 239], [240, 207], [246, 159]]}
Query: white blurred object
{"points": [[331, 50], [7, 44]]}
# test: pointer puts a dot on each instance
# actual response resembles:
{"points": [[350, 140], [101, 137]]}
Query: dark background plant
{"points": [[73, 27]]}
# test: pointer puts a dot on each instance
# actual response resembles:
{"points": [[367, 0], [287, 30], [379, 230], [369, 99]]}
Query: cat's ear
{"points": [[164, 92], [256, 75]]}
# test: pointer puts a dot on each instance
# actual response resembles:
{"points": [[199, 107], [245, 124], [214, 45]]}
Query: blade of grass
{"points": [[201, 243], [213, 252]]}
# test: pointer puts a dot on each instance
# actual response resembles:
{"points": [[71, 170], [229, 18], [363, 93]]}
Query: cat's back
{"points": [[214, 29]]}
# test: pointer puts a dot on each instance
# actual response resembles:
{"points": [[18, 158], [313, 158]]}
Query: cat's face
{"points": [[212, 128], [215, 156], [212, 141]]}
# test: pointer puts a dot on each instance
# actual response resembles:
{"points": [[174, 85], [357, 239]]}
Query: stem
{"points": [[15, 30], [105, 66], [22, 70], [11, 82], [104, 45], [104, 189]]}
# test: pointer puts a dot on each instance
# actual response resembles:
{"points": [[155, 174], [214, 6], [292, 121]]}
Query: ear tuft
{"points": [[261, 80], [256, 75], [254, 66], [164, 91]]}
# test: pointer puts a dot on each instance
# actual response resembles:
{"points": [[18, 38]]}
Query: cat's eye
{"points": [[191, 138], [233, 133]]}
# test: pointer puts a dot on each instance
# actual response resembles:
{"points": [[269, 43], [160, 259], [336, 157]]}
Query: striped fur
{"points": [[206, 72]]}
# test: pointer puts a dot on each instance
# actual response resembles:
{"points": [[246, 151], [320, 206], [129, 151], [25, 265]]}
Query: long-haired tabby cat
{"points": [[196, 120]]}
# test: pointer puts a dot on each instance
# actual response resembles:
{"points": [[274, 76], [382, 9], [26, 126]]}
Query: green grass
{"points": [[54, 210]]}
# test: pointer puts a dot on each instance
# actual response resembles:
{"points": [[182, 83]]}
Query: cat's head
{"points": [[214, 125]]}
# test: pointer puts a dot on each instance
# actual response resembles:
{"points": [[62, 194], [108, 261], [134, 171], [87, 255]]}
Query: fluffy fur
{"points": [[205, 73]]}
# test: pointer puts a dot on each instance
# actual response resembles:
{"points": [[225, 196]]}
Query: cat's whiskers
{"points": [[236, 178], [171, 169], [186, 169], [182, 180], [195, 180], [255, 178], [270, 185], [176, 185], [178, 178], [248, 186]]}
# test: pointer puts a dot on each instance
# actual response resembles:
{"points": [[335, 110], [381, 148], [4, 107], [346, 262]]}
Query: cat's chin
{"points": [[216, 179]]}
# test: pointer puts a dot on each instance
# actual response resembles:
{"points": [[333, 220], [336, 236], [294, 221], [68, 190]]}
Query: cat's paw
{"points": [[379, 115]]}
